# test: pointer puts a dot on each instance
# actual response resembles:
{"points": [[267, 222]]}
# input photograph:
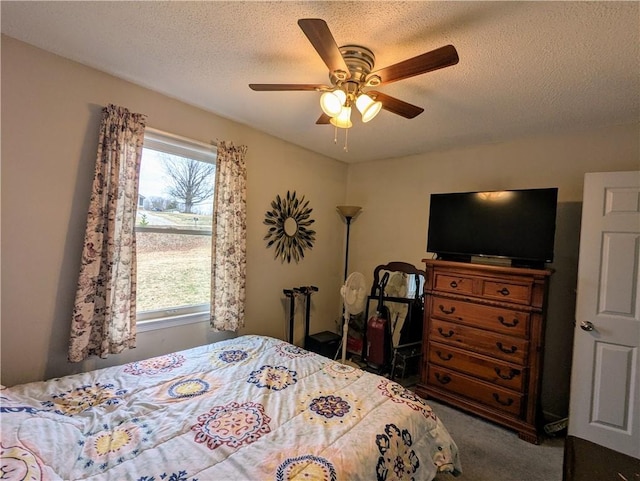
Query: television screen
{"points": [[515, 224]]}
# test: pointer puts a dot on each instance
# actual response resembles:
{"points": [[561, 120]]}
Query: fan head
{"points": [[360, 61], [397, 285], [354, 293]]}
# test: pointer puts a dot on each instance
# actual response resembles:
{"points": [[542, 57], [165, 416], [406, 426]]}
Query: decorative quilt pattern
{"points": [[250, 408]]}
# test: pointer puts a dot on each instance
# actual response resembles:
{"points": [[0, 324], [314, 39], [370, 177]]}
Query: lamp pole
{"points": [[348, 212], [346, 255]]}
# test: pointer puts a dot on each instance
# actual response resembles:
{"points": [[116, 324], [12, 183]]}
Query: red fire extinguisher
{"points": [[378, 342]]}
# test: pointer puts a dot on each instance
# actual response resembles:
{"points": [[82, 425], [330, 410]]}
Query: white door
{"points": [[605, 382]]}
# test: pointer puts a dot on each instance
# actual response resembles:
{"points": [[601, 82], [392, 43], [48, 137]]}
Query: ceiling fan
{"points": [[352, 77]]}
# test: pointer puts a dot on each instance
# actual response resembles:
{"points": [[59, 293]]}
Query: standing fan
{"points": [[354, 295]]}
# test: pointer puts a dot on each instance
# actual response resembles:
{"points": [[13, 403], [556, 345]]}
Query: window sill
{"points": [[173, 321]]}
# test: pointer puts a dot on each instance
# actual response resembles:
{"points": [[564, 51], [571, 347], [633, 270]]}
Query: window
{"points": [[173, 231]]}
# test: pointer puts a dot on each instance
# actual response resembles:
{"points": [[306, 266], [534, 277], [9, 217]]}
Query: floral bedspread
{"points": [[250, 408]]}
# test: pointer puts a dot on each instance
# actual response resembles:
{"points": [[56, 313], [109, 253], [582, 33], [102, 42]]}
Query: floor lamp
{"points": [[348, 212]]}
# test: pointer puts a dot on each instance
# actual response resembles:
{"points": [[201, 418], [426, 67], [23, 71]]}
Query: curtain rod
{"points": [[181, 138]]}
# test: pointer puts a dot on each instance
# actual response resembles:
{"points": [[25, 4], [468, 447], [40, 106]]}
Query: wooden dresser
{"points": [[483, 341]]}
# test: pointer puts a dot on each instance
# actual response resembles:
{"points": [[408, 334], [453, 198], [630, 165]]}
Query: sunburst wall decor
{"points": [[289, 220]]}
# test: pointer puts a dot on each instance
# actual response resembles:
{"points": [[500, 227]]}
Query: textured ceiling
{"points": [[525, 68]]}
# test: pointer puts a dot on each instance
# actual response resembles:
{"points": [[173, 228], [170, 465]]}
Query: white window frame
{"points": [[184, 147]]}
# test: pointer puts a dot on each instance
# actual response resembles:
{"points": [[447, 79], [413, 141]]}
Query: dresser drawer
{"points": [[453, 283], [493, 396], [495, 319], [491, 370], [503, 347], [519, 293]]}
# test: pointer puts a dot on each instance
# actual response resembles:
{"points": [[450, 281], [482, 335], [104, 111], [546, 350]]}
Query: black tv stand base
{"points": [[453, 258], [492, 261]]}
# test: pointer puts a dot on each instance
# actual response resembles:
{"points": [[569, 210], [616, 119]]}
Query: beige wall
{"points": [[394, 195], [51, 109]]}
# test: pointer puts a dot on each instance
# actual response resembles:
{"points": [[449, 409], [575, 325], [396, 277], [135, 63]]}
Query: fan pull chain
{"points": [[346, 138]]}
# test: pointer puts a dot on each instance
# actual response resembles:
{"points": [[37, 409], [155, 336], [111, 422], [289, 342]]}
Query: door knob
{"points": [[586, 326]]}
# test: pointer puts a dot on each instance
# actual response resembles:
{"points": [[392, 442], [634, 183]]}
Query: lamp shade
{"points": [[332, 102], [349, 211], [367, 107], [343, 120]]}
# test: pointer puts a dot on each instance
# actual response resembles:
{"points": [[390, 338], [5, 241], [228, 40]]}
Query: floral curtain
{"points": [[105, 307], [229, 251]]}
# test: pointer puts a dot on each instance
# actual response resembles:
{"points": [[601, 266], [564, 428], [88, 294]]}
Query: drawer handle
{"points": [[447, 311], [443, 357], [508, 402], [506, 350], [444, 379], [504, 291], [507, 377], [445, 334], [453, 284], [507, 324]]}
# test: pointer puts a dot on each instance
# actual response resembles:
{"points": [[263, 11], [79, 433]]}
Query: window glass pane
{"points": [[174, 270], [175, 192], [173, 228]]}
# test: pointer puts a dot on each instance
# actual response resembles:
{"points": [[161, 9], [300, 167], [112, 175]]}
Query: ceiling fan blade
{"points": [[323, 119], [322, 40], [397, 106], [281, 87], [427, 62]]}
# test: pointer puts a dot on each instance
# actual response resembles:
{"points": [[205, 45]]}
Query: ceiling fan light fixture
{"points": [[332, 102], [343, 120], [368, 107], [351, 72]]}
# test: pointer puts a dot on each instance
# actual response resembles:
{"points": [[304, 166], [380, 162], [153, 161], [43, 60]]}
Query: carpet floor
{"points": [[489, 452]]}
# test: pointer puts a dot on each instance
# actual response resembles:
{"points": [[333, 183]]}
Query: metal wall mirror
{"points": [[290, 226], [289, 220]]}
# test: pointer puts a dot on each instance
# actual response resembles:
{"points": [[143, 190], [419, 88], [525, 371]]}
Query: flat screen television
{"points": [[517, 225]]}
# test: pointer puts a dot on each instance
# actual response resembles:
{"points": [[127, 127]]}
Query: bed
{"points": [[249, 408]]}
